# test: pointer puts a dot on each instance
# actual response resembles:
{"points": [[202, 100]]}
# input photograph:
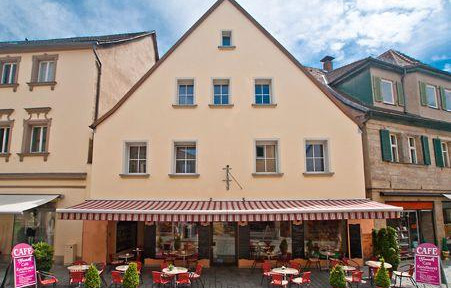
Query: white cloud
{"points": [[447, 67]]}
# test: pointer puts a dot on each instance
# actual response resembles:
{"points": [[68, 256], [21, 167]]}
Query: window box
{"points": [[264, 105], [221, 105], [135, 175], [267, 174], [183, 175], [184, 105], [318, 174]]}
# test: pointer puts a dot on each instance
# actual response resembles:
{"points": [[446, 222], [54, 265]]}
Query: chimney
{"points": [[327, 63]]}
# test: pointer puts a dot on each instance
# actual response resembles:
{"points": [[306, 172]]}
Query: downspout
{"points": [[99, 74], [402, 83]]}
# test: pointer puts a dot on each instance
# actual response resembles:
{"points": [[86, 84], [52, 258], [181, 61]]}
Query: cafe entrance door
{"points": [[224, 245]]}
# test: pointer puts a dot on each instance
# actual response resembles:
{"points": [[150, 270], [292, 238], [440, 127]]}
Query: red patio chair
{"points": [[350, 262], [80, 262], [76, 277], [278, 281], [266, 271], [303, 280], [183, 279], [405, 274], [116, 278], [158, 279], [196, 276], [333, 262], [295, 265], [355, 278], [46, 279]]}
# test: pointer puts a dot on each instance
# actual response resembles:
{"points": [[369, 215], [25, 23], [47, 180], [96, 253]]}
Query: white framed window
{"points": [[412, 150], [263, 92], [394, 148], [8, 73], [387, 91], [431, 96], [38, 139], [4, 139], [445, 153], [266, 156], [316, 156], [185, 160], [136, 158], [448, 99], [185, 92], [46, 72], [226, 38], [221, 91]]}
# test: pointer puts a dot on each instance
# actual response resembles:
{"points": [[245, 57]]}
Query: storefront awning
{"points": [[236, 210], [447, 196], [17, 204]]}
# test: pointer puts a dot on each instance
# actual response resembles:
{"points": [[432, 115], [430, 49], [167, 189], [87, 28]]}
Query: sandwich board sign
{"points": [[24, 265], [427, 264]]}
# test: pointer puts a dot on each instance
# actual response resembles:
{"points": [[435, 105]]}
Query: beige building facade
{"points": [[51, 91]]}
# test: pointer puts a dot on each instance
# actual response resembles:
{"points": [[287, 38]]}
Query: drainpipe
{"points": [[402, 83], [99, 74]]}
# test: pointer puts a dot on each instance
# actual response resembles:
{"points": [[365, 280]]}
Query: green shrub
{"points": [[444, 244], [131, 276], [43, 254], [337, 277], [386, 245], [382, 279], [92, 278], [283, 246]]}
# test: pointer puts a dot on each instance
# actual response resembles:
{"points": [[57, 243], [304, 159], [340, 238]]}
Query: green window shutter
{"points": [[443, 98], [423, 99], [425, 148], [377, 89], [400, 92], [438, 152], [385, 145]]}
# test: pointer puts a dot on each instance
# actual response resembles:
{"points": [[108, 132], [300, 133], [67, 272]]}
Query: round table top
{"points": [[285, 271], [174, 271], [122, 268], [78, 267], [126, 255], [349, 268], [377, 264]]}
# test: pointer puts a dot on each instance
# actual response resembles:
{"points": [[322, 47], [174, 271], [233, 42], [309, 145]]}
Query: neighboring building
{"points": [[51, 91], [405, 108], [227, 96]]}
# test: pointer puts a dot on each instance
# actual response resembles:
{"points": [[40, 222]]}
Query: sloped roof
{"points": [[75, 41], [188, 33], [398, 58], [343, 70]]}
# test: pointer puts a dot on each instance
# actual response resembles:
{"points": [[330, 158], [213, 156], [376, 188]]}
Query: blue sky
{"points": [[346, 29]]}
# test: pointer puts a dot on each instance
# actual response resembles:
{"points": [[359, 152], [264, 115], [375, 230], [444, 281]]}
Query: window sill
{"points": [[326, 174], [136, 175], [226, 47], [183, 175], [273, 105], [184, 105], [277, 174], [219, 106], [6, 156], [28, 154], [34, 84], [14, 86]]}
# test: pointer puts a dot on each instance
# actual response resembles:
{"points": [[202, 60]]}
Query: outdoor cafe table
{"points": [[122, 268], [174, 271], [78, 268], [126, 256], [285, 271], [375, 264], [348, 269]]}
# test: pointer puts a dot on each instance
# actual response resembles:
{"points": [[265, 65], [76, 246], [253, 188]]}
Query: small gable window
{"points": [[226, 39], [387, 91]]}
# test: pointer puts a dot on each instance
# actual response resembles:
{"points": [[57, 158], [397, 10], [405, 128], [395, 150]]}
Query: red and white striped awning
{"points": [[234, 210]]}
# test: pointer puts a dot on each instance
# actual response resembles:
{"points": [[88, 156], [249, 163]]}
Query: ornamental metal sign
{"points": [[427, 264], [24, 265]]}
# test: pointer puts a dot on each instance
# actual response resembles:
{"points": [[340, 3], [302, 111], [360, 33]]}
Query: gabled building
{"points": [[50, 92], [404, 107], [223, 150]]}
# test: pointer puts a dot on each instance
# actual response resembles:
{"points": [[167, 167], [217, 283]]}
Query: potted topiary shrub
{"points": [[445, 250], [92, 278], [337, 277], [283, 246], [43, 254], [177, 242], [382, 279], [131, 276]]}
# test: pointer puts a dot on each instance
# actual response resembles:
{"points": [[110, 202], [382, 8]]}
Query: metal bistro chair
{"points": [[303, 280], [278, 281], [46, 279], [266, 271], [196, 276], [313, 260], [76, 277], [405, 274], [116, 278], [183, 280], [355, 278], [159, 280]]}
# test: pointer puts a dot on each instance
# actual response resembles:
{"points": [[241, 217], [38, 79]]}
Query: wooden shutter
{"points": [[423, 99], [377, 89], [425, 149], [400, 92], [443, 98], [385, 145], [438, 152]]}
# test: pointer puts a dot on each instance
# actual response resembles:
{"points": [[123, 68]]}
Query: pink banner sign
{"points": [[427, 264], [24, 265]]}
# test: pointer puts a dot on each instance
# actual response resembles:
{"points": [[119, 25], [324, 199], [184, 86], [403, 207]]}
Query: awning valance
{"points": [[17, 204], [233, 210]]}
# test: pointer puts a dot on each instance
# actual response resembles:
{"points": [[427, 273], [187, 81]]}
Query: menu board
{"points": [[204, 236], [150, 241], [243, 242], [297, 240], [355, 241], [126, 235]]}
